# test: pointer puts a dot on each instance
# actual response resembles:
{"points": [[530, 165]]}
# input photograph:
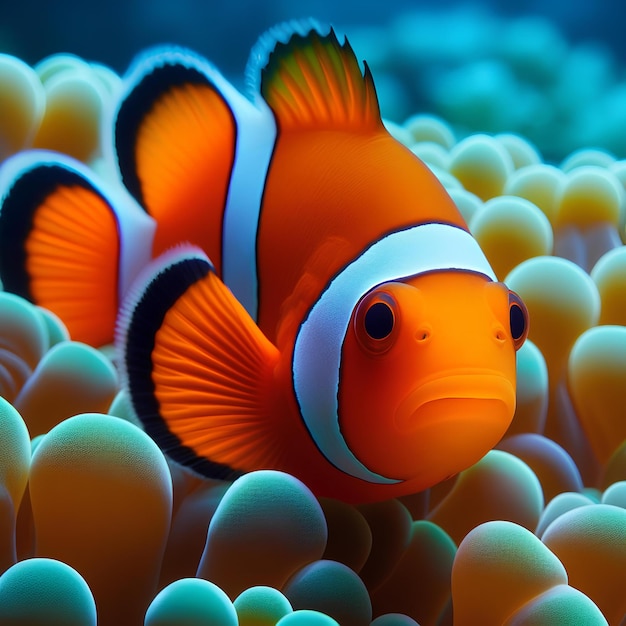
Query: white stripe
{"points": [[317, 351], [256, 134], [136, 233]]}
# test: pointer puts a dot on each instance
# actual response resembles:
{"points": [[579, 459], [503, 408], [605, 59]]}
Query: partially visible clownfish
{"points": [[331, 317]]}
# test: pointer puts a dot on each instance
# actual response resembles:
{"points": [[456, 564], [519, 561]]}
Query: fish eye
{"points": [[518, 316], [378, 320], [375, 321]]}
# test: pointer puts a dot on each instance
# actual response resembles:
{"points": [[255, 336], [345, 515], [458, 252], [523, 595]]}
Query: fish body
{"points": [[331, 315]]}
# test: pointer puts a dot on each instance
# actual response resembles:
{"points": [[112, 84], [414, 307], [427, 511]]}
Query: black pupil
{"points": [[518, 323], [379, 320]]}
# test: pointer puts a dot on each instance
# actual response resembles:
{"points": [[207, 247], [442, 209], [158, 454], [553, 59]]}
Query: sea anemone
{"points": [[57, 105]]}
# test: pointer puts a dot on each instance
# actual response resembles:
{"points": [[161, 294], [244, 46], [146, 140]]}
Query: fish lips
{"points": [[458, 396]]}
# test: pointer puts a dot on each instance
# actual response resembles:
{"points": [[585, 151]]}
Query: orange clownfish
{"points": [[331, 315]]}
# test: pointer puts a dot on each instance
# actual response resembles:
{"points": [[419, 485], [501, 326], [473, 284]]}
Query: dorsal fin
{"points": [[311, 80], [174, 134]]}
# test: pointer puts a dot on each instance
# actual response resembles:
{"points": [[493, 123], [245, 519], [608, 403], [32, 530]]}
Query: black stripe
{"points": [[257, 258], [146, 319], [17, 215]]}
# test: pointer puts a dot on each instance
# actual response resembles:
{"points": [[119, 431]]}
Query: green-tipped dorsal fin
{"points": [[311, 80]]}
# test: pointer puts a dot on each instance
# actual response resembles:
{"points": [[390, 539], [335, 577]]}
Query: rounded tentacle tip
{"points": [[596, 374], [589, 542], [510, 230], [499, 567], [559, 606], [482, 165], [22, 102], [45, 375], [261, 606], [331, 588], [191, 601], [45, 591], [59, 104], [100, 490], [266, 527], [307, 617], [499, 486]]}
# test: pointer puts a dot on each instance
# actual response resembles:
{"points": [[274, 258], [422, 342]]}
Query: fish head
{"points": [[428, 374]]}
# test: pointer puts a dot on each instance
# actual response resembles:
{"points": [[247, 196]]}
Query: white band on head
{"points": [[256, 134], [317, 351]]}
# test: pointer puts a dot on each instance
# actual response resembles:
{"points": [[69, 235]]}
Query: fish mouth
{"points": [[456, 396]]}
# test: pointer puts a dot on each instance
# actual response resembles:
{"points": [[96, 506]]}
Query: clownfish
{"points": [[291, 287]]}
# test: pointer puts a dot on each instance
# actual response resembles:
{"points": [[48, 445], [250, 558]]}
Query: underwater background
{"points": [[446, 58], [113, 32], [520, 110]]}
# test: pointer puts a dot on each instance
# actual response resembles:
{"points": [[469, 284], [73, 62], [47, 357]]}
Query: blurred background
{"points": [[113, 31], [550, 70]]}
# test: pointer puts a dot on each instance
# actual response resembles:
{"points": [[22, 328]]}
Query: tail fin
{"points": [[61, 243]]}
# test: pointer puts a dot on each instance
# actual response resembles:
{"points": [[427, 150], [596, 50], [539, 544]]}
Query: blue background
{"points": [[112, 32]]}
